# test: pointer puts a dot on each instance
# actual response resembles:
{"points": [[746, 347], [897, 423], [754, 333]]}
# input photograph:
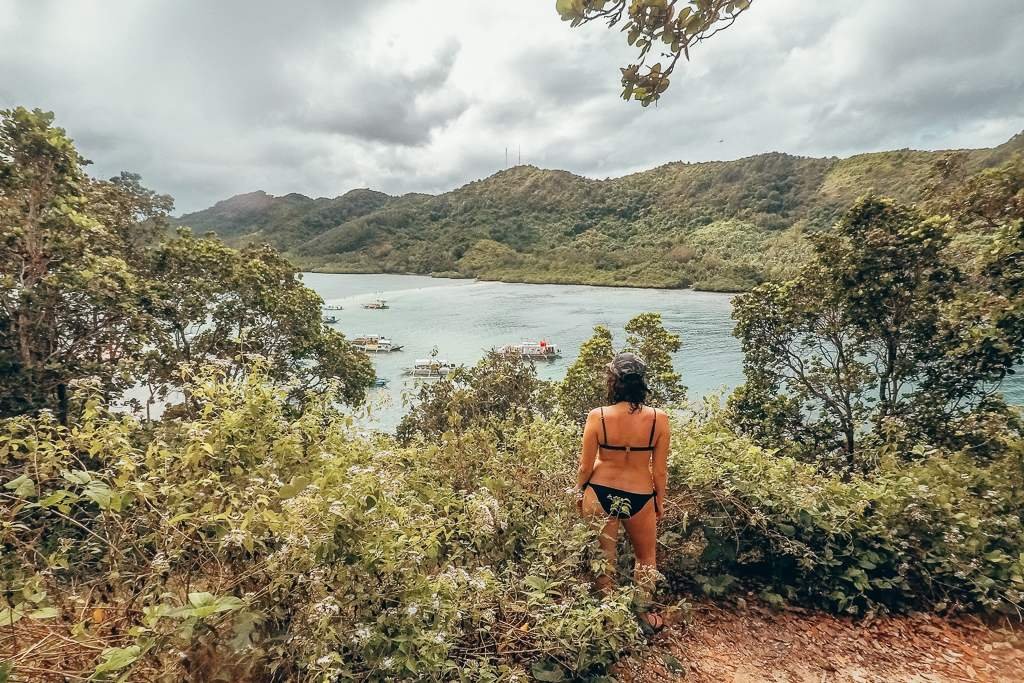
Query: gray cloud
{"points": [[208, 99]]}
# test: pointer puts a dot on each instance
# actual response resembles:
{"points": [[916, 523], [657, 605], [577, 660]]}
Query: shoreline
{"points": [[450, 275]]}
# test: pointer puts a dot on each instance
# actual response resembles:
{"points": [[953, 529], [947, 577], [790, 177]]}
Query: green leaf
{"points": [[10, 616], [44, 613], [23, 486], [547, 672], [99, 493], [292, 488], [569, 9], [536, 583], [77, 476], [199, 599], [117, 658], [56, 497]]}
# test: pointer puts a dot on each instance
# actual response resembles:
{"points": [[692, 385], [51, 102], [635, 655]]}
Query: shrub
{"points": [[942, 532], [248, 543]]}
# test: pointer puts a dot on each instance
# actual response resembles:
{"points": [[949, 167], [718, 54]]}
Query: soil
{"points": [[754, 644]]}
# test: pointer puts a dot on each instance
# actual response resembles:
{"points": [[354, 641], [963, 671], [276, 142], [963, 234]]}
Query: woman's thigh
{"points": [[593, 511], [642, 529]]}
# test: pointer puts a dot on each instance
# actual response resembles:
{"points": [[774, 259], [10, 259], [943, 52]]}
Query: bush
{"points": [[250, 544], [941, 533], [501, 391]]}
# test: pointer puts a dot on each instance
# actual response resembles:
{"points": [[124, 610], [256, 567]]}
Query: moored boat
{"points": [[534, 350], [379, 304], [430, 367], [375, 343], [329, 319], [333, 307], [380, 381]]}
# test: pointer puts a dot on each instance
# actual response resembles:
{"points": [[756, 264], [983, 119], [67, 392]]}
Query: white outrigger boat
{"points": [[379, 304], [333, 307], [534, 350], [375, 343], [430, 367]]}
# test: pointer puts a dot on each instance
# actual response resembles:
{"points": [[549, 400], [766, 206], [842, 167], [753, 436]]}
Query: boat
{"points": [[375, 343], [329, 319], [534, 350], [333, 307], [380, 382], [376, 305], [430, 367]]}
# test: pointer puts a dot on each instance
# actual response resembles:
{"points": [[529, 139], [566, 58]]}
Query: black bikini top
{"points": [[650, 441]]}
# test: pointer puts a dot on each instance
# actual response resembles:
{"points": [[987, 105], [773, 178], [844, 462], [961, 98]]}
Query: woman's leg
{"points": [[609, 527], [642, 529]]}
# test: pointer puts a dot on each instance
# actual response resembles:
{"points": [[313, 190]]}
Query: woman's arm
{"points": [[663, 436], [588, 454]]}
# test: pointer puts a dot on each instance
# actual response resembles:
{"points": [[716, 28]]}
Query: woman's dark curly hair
{"points": [[626, 378]]}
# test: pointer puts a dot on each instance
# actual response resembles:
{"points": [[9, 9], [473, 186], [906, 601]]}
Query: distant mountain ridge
{"points": [[720, 225]]}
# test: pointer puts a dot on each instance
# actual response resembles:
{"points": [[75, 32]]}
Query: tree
{"points": [[501, 392], [647, 337], [71, 303], [91, 288], [868, 339], [656, 22], [585, 388], [215, 303]]}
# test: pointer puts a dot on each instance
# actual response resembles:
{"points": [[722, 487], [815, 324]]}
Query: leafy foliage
{"points": [[868, 342], [501, 389], [943, 532], [656, 22], [647, 337], [237, 538], [94, 291], [253, 543], [584, 386]]}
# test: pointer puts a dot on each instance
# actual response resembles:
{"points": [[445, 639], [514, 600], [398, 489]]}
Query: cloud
{"points": [[208, 99], [375, 102]]}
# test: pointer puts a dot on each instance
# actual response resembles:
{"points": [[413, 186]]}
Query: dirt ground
{"points": [[755, 644]]}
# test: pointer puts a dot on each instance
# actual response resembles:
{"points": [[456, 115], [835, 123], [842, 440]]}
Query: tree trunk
{"points": [[62, 403]]}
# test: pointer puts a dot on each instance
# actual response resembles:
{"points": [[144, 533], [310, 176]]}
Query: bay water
{"points": [[465, 318]]}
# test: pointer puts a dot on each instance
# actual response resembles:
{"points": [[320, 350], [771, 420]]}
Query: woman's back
{"points": [[626, 441]]}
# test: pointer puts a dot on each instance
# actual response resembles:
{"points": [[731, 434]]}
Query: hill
{"points": [[720, 225]]}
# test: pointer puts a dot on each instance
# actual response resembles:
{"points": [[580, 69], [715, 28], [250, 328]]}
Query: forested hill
{"points": [[723, 225]]}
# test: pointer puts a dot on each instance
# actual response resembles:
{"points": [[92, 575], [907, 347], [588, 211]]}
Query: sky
{"points": [[209, 99]]}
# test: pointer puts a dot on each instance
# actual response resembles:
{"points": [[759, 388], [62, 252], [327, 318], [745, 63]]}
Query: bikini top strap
{"points": [[604, 428], [654, 423]]}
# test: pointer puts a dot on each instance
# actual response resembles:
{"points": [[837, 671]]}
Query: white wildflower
{"points": [[326, 608], [160, 563], [234, 537]]}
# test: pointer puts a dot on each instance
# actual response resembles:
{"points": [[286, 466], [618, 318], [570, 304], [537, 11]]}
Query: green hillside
{"points": [[722, 225]]}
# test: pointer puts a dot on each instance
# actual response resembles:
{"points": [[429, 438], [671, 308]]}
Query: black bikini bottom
{"points": [[621, 504]]}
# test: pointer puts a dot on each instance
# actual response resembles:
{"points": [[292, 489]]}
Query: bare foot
{"points": [[654, 621]]}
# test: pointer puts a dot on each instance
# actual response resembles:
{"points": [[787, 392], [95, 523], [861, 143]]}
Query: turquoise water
{"points": [[464, 318]]}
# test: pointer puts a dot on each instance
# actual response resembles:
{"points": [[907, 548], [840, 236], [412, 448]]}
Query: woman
{"points": [[624, 470]]}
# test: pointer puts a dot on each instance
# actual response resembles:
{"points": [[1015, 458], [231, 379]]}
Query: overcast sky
{"points": [[207, 99]]}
